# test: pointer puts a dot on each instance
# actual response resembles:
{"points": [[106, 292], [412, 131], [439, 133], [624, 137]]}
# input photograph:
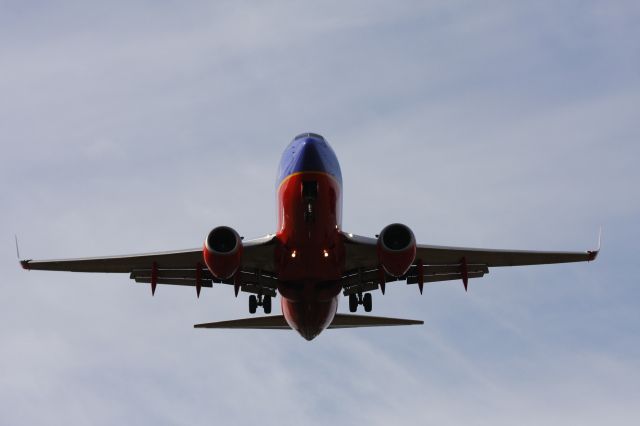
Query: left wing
{"points": [[441, 263], [183, 267]]}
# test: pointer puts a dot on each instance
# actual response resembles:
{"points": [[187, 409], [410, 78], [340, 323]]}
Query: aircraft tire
{"points": [[253, 304], [367, 302], [266, 304], [353, 303]]}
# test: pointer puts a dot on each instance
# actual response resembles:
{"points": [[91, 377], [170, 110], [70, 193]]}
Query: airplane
{"points": [[310, 261]]}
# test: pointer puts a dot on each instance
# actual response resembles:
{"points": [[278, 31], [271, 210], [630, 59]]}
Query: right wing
{"points": [[441, 255], [441, 263], [183, 267]]}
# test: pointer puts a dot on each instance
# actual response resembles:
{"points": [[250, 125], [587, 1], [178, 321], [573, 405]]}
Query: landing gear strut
{"points": [[360, 299], [259, 300]]}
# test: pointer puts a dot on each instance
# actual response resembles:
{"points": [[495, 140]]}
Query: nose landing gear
{"points": [[360, 299], [259, 300]]}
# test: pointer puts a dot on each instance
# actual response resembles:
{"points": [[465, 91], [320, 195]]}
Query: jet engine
{"points": [[396, 249], [223, 252]]}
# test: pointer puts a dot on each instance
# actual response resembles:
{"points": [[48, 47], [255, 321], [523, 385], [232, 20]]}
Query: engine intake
{"points": [[396, 249], [223, 252]]}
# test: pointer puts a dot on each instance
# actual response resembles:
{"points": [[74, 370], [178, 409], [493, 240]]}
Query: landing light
{"points": [[293, 254], [325, 253]]}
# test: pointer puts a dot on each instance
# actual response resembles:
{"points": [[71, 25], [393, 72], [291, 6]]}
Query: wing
{"points": [[183, 267], [441, 263]]}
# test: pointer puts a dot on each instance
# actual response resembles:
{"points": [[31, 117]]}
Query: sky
{"points": [[139, 126]]}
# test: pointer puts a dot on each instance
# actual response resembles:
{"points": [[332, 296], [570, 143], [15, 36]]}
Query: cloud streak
{"points": [[139, 127]]}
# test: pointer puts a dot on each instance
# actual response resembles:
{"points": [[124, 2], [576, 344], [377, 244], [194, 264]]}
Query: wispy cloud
{"points": [[138, 127]]}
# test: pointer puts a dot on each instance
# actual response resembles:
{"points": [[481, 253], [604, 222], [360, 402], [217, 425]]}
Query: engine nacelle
{"points": [[396, 249], [223, 252]]}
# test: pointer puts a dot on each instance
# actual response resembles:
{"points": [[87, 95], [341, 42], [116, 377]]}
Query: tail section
{"points": [[274, 322], [356, 321], [277, 322]]}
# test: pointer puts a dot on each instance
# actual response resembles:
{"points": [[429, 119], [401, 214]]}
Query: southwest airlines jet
{"points": [[310, 261]]}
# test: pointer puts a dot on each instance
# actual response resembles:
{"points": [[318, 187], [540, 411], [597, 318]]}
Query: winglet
{"points": [[23, 263], [593, 254]]}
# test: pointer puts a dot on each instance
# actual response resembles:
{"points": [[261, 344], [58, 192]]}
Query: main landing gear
{"points": [[259, 300], [360, 299]]}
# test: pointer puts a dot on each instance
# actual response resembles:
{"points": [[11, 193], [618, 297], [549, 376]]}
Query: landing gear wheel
{"points": [[253, 304], [266, 304], [353, 303], [367, 302]]}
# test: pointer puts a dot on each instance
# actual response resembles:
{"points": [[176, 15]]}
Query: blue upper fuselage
{"points": [[309, 152]]}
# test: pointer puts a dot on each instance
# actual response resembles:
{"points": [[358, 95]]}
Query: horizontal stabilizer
{"points": [[277, 322], [274, 322], [353, 321]]}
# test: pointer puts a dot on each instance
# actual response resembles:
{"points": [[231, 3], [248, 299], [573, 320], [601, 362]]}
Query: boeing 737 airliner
{"points": [[309, 260]]}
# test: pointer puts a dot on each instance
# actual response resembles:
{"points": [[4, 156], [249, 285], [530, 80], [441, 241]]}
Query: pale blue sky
{"points": [[139, 126]]}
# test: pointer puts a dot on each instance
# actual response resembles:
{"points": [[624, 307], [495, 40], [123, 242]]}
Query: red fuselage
{"points": [[310, 256]]}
